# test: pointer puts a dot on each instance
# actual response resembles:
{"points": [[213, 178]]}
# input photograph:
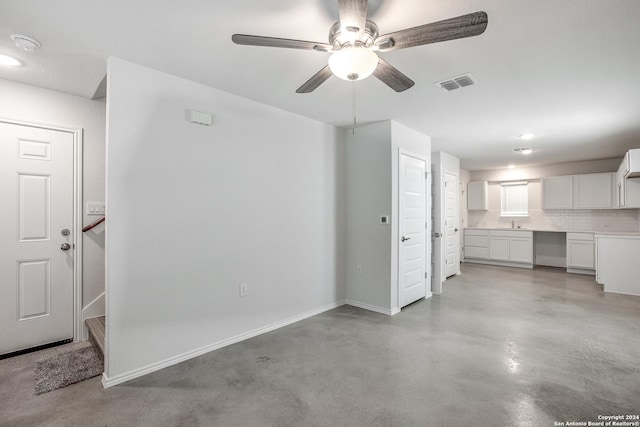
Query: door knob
{"points": [[405, 238], [436, 235], [65, 246], [456, 230]]}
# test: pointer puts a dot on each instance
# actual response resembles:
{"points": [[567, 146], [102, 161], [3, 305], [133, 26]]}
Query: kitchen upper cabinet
{"points": [[586, 191], [592, 191], [477, 196], [628, 189], [557, 192]]}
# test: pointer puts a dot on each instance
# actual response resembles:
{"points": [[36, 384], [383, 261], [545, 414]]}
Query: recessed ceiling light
{"points": [[25, 42], [9, 61], [527, 136], [512, 166]]}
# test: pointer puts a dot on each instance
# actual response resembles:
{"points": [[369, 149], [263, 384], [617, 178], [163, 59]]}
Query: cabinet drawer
{"points": [[476, 252], [512, 233], [580, 236], [482, 241], [468, 232]]}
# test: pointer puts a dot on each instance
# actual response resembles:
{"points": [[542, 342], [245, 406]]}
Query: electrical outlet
{"points": [[358, 269], [243, 289]]}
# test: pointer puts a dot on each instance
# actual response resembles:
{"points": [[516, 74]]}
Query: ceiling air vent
{"points": [[456, 82]]}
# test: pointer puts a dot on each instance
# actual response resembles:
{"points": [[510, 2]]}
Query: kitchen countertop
{"points": [[548, 230]]}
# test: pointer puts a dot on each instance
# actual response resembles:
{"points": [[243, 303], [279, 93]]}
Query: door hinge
{"points": [[425, 275], [426, 175]]}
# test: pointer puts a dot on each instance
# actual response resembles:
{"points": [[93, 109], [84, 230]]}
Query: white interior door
{"points": [[36, 272], [451, 224], [412, 223]]}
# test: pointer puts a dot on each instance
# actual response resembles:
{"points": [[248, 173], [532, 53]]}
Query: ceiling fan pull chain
{"points": [[353, 107]]}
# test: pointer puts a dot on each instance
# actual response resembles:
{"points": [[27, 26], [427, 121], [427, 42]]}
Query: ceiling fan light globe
{"points": [[353, 63]]}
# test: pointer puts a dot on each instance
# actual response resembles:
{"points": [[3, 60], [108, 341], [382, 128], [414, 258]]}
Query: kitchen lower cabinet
{"points": [[476, 244], [521, 249], [617, 264], [581, 253], [499, 247]]}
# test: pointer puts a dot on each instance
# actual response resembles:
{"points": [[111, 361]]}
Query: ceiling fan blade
{"points": [[315, 81], [392, 77], [277, 42], [353, 13], [460, 27]]}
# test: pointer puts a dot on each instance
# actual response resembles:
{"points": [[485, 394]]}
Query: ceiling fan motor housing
{"points": [[340, 36]]}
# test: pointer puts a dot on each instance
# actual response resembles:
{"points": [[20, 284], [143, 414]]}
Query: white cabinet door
{"points": [[521, 250], [557, 192], [592, 191], [477, 199], [580, 251], [499, 248], [580, 254]]}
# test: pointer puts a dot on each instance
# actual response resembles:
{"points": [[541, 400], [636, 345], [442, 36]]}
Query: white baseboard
{"points": [[499, 263], [136, 373], [372, 307], [581, 271]]}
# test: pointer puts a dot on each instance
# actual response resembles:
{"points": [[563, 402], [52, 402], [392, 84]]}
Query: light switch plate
{"points": [[95, 208]]}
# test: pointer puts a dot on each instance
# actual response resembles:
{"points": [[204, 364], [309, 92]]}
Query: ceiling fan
{"points": [[354, 41]]}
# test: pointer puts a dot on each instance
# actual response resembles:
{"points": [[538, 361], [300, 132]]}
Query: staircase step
{"points": [[96, 333]]}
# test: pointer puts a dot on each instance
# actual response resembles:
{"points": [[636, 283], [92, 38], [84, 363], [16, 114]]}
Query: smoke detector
{"points": [[457, 82], [25, 43]]}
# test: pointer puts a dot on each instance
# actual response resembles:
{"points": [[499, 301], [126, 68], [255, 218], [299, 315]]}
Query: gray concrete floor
{"points": [[500, 347]]}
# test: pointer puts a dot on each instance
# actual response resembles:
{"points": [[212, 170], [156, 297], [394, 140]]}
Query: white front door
{"points": [[36, 273], [451, 224], [412, 233]]}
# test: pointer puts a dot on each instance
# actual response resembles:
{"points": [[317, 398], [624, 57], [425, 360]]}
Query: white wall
{"points": [[555, 219], [194, 211], [369, 187], [33, 104], [372, 192]]}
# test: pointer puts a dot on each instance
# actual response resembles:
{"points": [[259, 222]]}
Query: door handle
{"points": [[65, 246], [456, 230], [436, 234], [405, 238]]}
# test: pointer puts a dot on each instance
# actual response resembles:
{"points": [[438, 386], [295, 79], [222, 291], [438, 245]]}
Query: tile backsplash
{"points": [[563, 219]]}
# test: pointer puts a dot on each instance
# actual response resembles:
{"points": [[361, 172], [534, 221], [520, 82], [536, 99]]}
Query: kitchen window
{"points": [[515, 199]]}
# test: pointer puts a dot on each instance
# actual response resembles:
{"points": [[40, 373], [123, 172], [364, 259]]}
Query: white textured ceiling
{"points": [[566, 70]]}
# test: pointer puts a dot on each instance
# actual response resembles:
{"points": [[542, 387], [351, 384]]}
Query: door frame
{"points": [[427, 218], [457, 222], [77, 134]]}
